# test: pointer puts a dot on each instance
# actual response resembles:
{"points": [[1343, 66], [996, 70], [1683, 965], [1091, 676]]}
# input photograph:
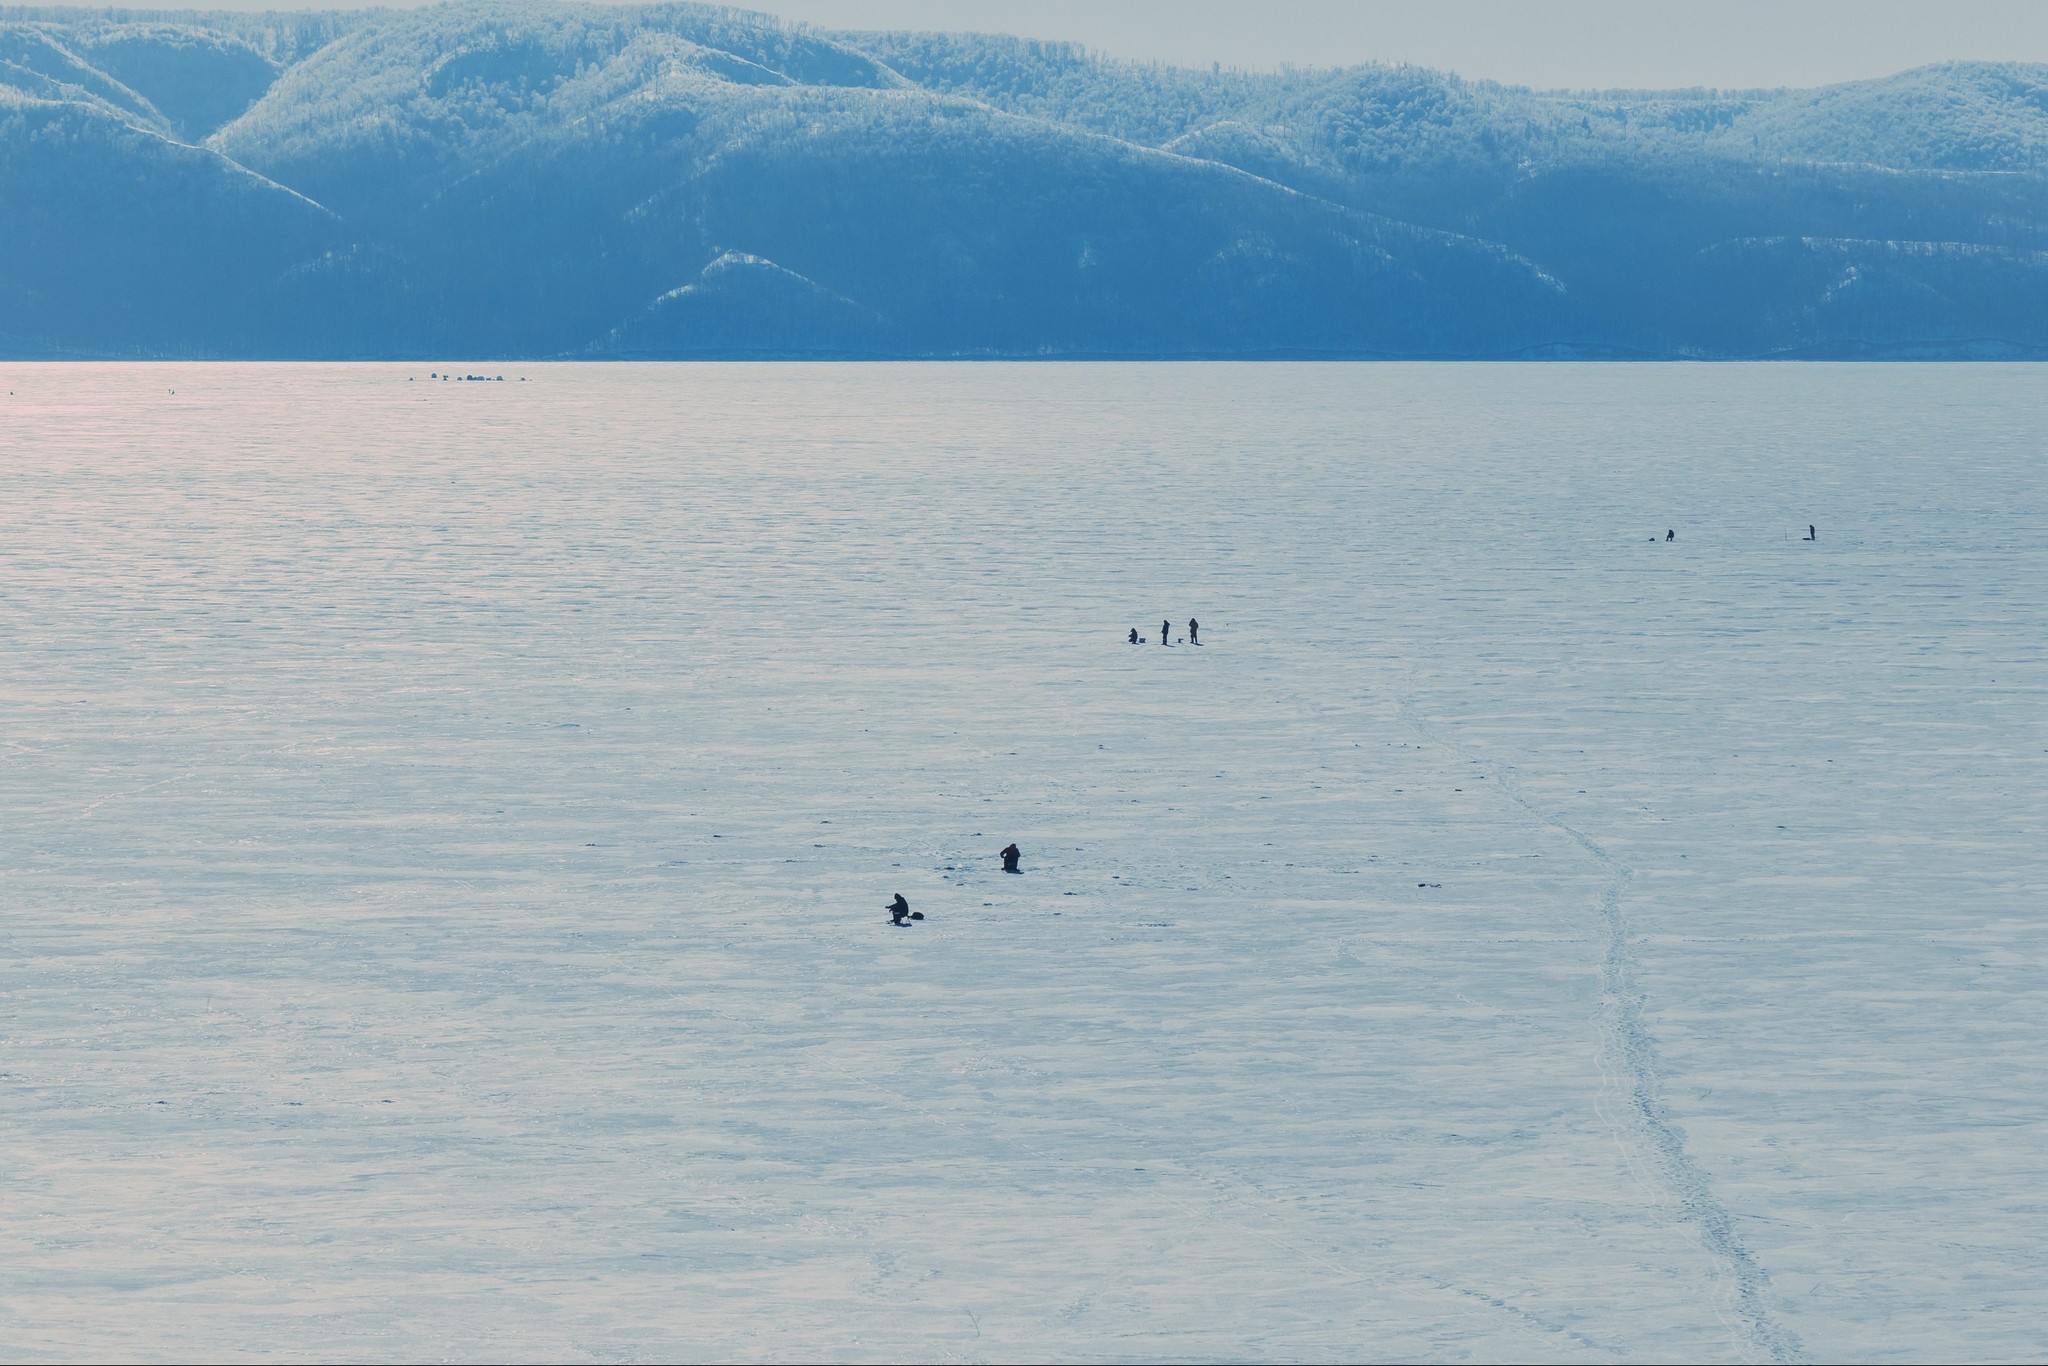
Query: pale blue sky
{"points": [[1532, 42], [1729, 43]]}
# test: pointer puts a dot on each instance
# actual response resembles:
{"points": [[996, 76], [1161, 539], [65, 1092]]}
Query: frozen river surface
{"points": [[444, 832]]}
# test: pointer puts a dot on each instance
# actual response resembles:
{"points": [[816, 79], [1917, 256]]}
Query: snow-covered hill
{"points": [[548, 180]]}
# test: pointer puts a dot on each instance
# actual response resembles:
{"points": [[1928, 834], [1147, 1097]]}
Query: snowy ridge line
{"points": [[1624, 1036]]}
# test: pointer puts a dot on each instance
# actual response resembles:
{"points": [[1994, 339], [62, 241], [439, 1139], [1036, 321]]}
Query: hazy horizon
{"points": [[1579, 44]]}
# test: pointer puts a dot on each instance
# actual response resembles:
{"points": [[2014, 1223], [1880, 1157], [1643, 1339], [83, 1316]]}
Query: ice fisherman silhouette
{"points": [[1166, 633], [1194, 631], [1670, 535], [1010, 857], [1134, 635], [900, 912]]}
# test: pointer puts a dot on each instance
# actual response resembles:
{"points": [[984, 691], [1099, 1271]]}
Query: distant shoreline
{"points": [[2033, 357]]}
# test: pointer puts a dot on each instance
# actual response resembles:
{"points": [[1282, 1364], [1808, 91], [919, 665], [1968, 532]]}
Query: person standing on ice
{"points": [[1194, 631], [1670, 535], [1811, 534], [1166, 633], [1010, 857]]}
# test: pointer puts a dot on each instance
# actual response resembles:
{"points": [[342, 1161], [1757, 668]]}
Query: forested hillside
{"points": [[561, 180]]}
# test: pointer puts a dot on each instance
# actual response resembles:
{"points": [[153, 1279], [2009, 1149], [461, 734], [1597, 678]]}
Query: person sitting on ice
{"points": [[1670, 535], [900, 912], [1134, 635], [1010, 857]]}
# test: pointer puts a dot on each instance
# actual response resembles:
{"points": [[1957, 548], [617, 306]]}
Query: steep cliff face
{"points": [[536, 179]]}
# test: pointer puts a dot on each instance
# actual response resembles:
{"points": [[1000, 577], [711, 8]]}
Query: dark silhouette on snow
{"points": [[1010, 857], [1134, 635], [1166, 633], [1670, 535], [1811, 534], [1194, 631], [900, 912]]}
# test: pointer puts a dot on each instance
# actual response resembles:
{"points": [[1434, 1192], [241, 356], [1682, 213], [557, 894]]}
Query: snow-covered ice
{"points": [[445, 831]]}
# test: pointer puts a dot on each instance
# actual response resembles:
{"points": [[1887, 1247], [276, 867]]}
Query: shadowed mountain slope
{"points": [[685, 180]]}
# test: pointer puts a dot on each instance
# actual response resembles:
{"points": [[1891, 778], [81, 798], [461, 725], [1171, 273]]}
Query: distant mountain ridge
{"points": [[560, 180]]}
